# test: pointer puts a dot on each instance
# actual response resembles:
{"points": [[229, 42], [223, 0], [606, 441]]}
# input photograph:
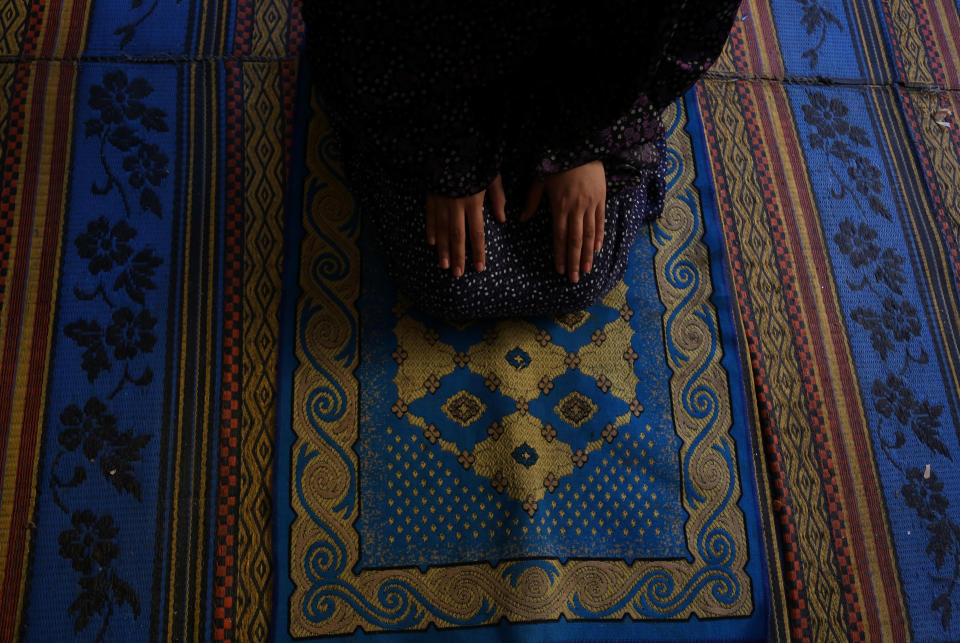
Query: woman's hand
{"points": [[451, 221], [578, 199]]}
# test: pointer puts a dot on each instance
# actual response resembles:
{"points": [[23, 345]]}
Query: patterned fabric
{"points": [[425, 99], [139, 289], [520, 277]]}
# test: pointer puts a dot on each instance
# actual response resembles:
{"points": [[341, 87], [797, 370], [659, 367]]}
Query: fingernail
{"points": [[458, 272], [479, 266], [561, 269], [589, 268], [575, 276], [444, 263]]}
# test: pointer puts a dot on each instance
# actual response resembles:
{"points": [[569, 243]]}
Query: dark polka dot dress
{"points": [[437, 97]]}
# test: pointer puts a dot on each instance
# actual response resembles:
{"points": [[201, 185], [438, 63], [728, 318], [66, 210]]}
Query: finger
{"points": [[431, 222], [443, 237], [574, 244], [475, 230], [560, 241], [601, 220], [533, 200], [498, 200], [458, 241], [586, 251]]}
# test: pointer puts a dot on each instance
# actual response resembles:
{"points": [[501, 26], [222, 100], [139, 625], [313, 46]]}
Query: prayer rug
{"points": [[590, 476]]}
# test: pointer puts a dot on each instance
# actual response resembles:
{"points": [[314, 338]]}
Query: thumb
{"points": [[533, 200], [498, 199]]}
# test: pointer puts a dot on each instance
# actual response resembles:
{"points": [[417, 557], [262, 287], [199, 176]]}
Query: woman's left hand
{"points": [[578, 200]]}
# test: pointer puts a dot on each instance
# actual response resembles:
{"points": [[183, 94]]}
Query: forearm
{"points": [[602, 98]]}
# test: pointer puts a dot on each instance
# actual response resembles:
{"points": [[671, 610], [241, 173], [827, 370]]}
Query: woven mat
{"points": [[839, 192], [144, 155], [153, 357]]}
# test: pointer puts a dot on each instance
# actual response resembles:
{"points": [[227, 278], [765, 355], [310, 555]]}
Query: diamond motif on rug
{"points": [[518, 358], [463, 408], [576, 408], [525, 455]]}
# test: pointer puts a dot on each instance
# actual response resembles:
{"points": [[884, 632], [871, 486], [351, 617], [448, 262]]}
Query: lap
{"points": [[520, 279]]}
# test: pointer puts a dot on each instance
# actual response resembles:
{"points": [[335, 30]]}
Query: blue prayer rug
{"points": [[585, 476]]}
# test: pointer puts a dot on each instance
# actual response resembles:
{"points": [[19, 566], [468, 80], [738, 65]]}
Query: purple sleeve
{"points": [[605, 93]]}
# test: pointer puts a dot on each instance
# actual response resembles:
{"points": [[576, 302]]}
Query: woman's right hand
{"points": [[452, 221], [578, 200]]}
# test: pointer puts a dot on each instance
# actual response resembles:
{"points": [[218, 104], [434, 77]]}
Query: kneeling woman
{"points": [[506, 155]]}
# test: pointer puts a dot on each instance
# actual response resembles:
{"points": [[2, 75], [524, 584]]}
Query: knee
{"points": [[582, 296], [433, 292], [593, 287]]}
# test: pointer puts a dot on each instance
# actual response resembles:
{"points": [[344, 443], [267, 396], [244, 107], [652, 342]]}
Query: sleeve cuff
{"points": [[639, 125]]}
